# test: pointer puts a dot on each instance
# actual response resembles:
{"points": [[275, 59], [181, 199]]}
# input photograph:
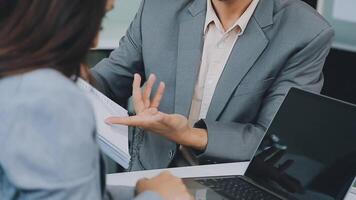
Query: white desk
{"points": [[351, 194], [130, 178]]}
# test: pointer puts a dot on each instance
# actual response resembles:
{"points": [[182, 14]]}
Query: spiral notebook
{"points": [[112, 139]]}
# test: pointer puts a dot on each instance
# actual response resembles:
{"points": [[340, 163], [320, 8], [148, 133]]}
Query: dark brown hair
{"points": [[47, 34]]}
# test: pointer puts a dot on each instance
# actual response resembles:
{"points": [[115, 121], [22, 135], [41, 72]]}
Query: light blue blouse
{"points": [[48, 146]]}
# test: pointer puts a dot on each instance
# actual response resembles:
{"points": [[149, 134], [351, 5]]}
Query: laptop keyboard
{"points": [[237, 188]]}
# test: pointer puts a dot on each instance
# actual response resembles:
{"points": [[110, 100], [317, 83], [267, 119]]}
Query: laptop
{"points": [[308, 152]]}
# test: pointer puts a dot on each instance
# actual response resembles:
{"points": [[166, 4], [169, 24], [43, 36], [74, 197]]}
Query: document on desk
{"points": [[112, 139]]}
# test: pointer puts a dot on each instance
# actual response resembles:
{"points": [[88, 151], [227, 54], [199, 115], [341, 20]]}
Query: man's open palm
{"points": [[148, 117]]}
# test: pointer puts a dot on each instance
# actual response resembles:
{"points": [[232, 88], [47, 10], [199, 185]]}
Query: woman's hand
{"points": [[166, 185], [172, 126]]}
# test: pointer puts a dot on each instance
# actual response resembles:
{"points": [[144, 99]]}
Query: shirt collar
{"points": [[242, 22]]}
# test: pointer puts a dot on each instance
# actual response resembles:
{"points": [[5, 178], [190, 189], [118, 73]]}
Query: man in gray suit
{"points": [[227, 66]]}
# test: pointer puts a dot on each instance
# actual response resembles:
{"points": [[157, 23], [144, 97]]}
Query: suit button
{"points": [[171, 154]]}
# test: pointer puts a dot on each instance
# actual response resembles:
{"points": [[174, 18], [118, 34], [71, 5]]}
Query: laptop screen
{"points": [[309, 151]]}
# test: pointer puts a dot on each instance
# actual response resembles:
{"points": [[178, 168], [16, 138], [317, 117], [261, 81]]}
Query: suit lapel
{"points": [[190, 46], [246, 51]]}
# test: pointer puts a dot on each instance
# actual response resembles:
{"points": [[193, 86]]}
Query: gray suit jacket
{"points": [[284, 45]]}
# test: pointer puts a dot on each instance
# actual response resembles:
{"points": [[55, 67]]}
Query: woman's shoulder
{"points": [[44, 96], [49, 88], [48, 91], [53, 126], [50, 83], [39, 83]]}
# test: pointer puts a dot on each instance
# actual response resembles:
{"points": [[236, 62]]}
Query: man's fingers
{"points": [[137, 94], [141, 99], [148, 89], [128, 121], [276, 157], [158, 97], [266, 153]]}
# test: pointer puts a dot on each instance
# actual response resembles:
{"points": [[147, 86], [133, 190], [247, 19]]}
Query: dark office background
{"points": [[339, 71]]}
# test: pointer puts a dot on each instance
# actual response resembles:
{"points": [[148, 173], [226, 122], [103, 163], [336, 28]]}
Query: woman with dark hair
{"points": [[48, 145]]}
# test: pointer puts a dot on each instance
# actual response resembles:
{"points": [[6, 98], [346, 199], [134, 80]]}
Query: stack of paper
{"points": [[112, 139]]}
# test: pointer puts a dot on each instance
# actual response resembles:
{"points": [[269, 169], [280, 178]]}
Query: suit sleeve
{"points": [[238, 141], [114, 75]]}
